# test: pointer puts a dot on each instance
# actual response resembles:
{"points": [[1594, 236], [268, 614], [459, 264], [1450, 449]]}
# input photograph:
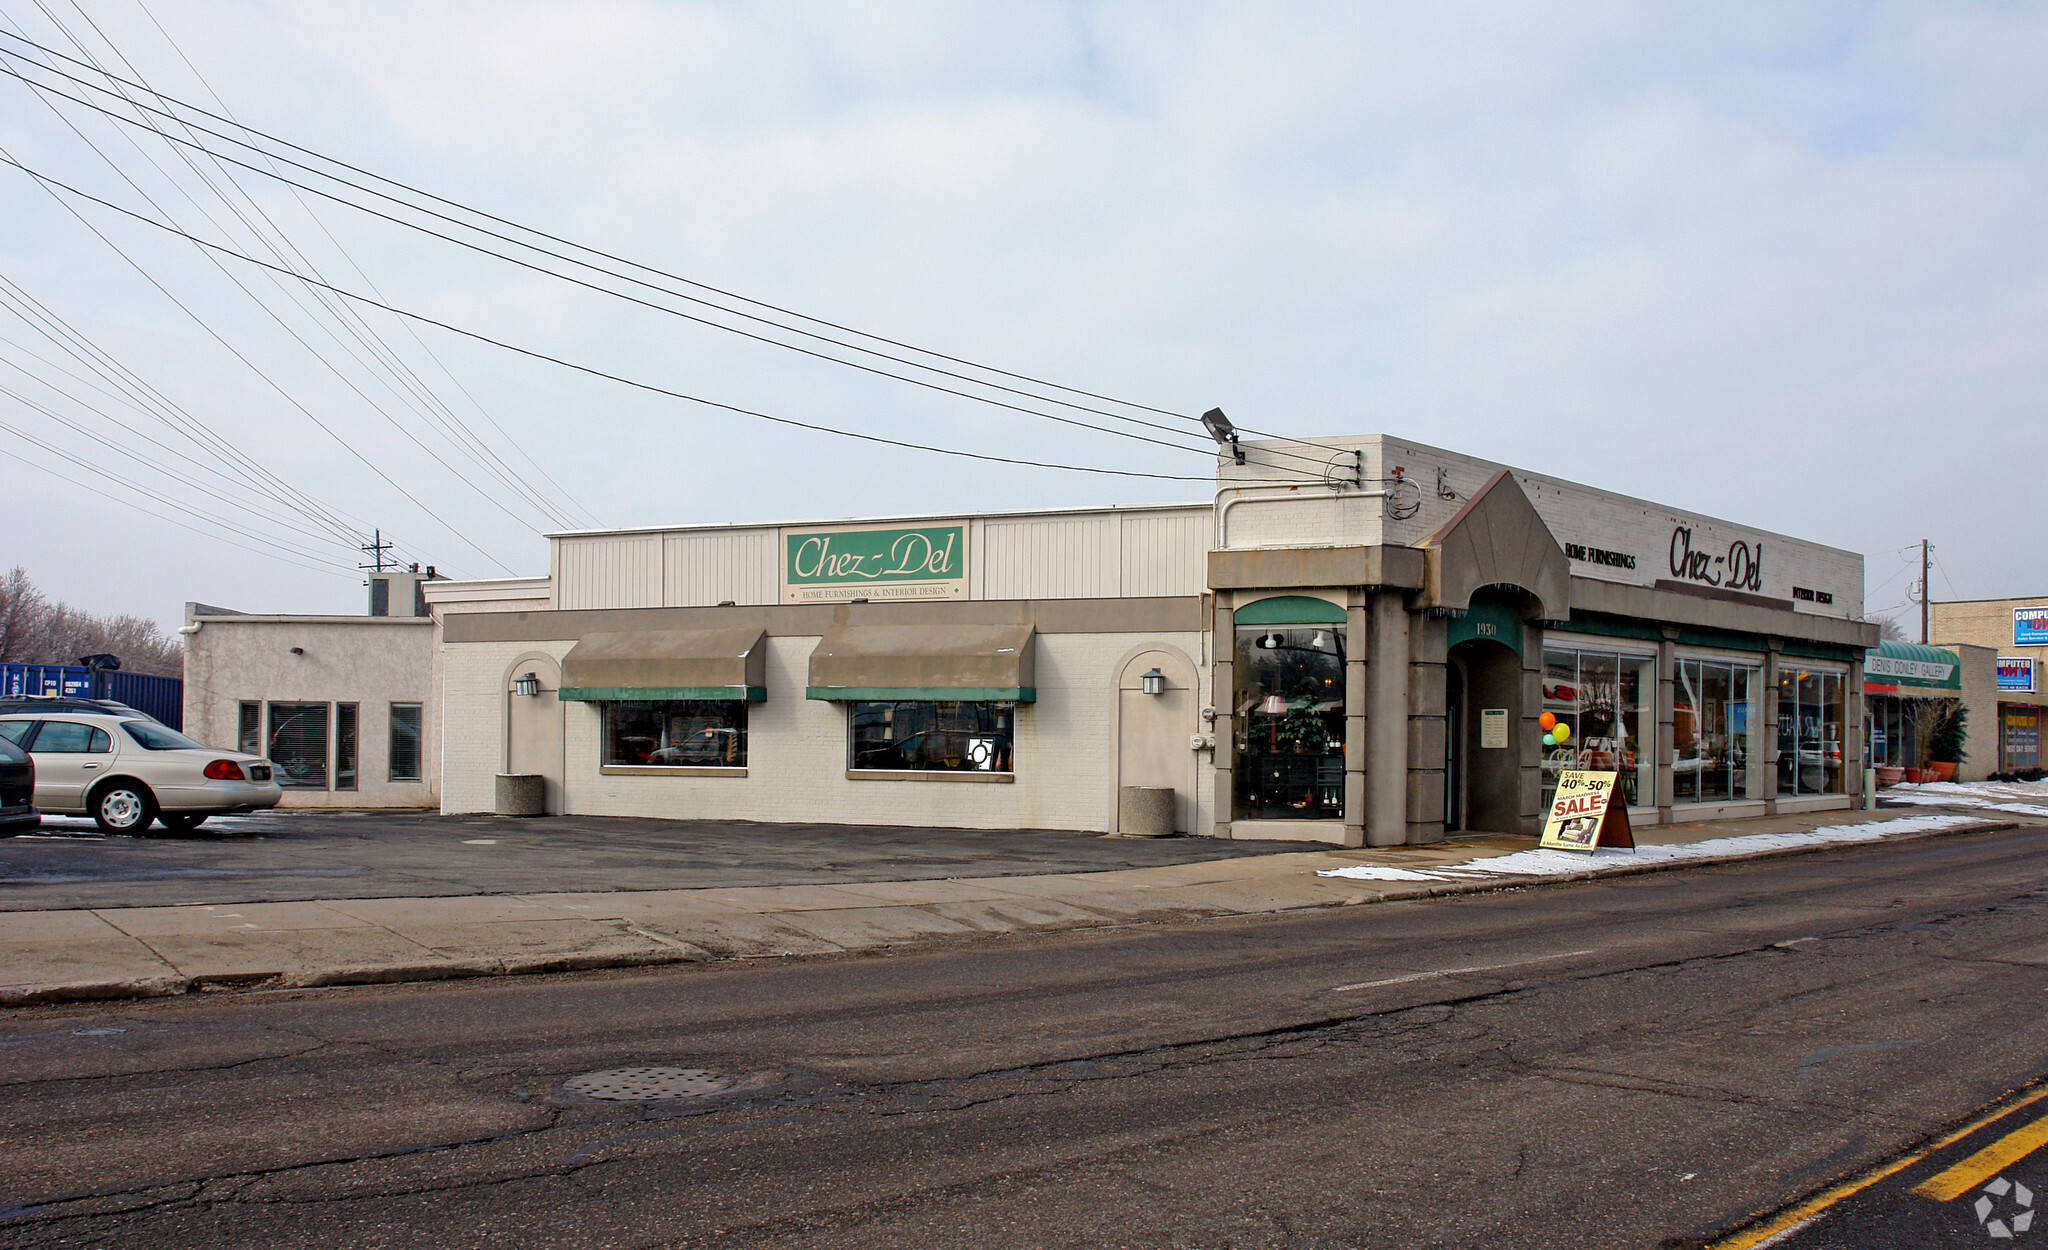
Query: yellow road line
{"points": [[1783, 1222], [1986, 1163]]}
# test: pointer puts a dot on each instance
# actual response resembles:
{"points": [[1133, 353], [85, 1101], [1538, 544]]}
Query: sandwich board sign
{"points": [[1583, 815]]}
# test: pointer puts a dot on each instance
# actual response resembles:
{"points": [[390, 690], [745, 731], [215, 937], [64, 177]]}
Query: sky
{"points": [[1777, 263]]}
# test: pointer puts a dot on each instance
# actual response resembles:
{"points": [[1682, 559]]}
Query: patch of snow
{"points": [[1548, 863]]}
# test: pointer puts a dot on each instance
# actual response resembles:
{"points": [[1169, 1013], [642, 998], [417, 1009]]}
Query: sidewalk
{"points": [[139, 952]]}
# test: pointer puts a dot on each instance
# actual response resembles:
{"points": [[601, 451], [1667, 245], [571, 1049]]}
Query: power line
{"points": [[47, 184], [198, 514], [8, 158], [146, 399], [410, 388], [607, 256], [292, 332]]}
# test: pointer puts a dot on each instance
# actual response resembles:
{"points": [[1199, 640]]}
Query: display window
{"points": [[1289, 721], [932, 736], [1810, 719], [1717, 746], [2020, 735], [1603, 701], [676, 733]]}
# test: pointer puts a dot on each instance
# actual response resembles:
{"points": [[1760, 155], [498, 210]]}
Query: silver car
{"points": [[125, 771]]}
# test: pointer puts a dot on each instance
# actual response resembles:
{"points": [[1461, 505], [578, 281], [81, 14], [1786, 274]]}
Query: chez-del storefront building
{"points": [[1398, 643]]}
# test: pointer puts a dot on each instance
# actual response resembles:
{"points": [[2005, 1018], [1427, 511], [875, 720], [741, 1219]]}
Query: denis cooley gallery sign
{"points": [[834, 565]]}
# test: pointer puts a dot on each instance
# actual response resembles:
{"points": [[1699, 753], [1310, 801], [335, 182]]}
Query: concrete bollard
{"points": [[522, 794], [1145, 811]]}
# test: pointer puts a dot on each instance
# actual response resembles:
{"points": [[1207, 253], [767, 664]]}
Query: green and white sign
{"points": [[831, 566]]}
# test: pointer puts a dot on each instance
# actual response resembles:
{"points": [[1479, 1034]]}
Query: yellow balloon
{"points": [[1563, 732]]}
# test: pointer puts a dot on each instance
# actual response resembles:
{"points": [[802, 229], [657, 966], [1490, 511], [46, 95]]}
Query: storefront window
{"points": [[686, 733], [2022, 736], [1810, 717], [1605, 702], [1290, 722], [1716, 732], [936, 736]]}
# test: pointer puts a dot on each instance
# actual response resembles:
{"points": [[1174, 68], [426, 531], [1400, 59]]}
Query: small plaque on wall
{"points": [[1493, 728]]}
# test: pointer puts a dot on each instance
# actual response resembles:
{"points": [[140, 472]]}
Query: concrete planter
{"points": [[1145, 811], [522, 794]]}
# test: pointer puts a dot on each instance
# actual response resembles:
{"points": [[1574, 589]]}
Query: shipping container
{"points": [[160, 697]]}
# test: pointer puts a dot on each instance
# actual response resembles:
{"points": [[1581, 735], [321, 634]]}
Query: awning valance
{"points": [[1894, 667], [978, 662], [668, 664]]}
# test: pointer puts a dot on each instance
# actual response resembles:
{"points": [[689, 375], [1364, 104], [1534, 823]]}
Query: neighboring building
{"points": [[2016, 630], [1906, 689], [341, 705], [1359, 639]]}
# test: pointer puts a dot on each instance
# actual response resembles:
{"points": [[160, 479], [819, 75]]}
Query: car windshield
{"points": [[15, 730], [153, 737]]}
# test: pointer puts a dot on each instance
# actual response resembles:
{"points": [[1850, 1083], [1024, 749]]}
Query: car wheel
{"points": [[123, 807], [181, 824]]}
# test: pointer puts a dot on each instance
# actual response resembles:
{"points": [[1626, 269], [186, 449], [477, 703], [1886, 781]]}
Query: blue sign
{"points": [[2030, 627], [2016, 672]]}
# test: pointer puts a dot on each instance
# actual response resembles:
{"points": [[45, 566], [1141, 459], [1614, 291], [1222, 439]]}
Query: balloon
{"points": [[1549, 741], [1562, 732], [1548, 722]]}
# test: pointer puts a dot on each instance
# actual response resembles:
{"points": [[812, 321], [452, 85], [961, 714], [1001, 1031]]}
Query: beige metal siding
{"points": [[1054, 558], [700, 570], [1165, 553], [609, 571]]}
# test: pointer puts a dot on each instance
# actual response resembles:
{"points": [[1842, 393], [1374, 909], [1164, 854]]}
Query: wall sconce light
{"points": [[526, 684], [1153, 682]]}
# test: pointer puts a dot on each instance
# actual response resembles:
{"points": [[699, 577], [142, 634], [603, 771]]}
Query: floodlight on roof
{"points": [[1223, 432]]}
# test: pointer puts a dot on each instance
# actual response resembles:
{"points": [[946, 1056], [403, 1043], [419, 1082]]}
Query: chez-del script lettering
{"points": [[1740, 569], [911, 555]]}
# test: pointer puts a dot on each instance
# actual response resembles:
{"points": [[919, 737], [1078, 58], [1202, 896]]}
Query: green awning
{"points": [[668, 664], [986, 663], [1908, 667]]}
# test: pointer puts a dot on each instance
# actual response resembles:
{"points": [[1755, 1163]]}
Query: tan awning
{"points": [[980, 662], [668, 664]]}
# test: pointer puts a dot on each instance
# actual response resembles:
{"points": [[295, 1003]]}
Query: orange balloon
{"points": [[1547, 721]]}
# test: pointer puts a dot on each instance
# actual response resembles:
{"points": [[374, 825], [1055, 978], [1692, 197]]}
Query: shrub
{"points": [[1951, 732]]}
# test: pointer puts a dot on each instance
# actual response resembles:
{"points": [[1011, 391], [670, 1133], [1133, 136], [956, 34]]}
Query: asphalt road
{"points": [[1646, 1061], [290, 856]]}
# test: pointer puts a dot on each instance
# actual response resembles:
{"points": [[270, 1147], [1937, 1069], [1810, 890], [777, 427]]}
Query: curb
{"points": [[684, 952]]}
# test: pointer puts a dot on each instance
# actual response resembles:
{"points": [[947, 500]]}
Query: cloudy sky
{"points": [[1779, 263]]}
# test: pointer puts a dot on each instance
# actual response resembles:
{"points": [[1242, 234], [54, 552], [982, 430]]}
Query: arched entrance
{"points": [[1483, 707], [533, 726], [1152, 730]]}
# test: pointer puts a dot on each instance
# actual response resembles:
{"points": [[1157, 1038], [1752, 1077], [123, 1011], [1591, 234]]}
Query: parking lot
{"points": [[284, 856]]}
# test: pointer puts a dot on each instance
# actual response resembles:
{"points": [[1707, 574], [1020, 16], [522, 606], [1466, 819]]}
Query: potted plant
{"points": [[1945, 745]]}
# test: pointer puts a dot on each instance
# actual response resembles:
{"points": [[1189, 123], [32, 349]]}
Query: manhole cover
{"points": [[647, 1084]]}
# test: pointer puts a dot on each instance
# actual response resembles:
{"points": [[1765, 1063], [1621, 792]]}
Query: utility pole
{"points": [[376, 549], [1925, 590]]}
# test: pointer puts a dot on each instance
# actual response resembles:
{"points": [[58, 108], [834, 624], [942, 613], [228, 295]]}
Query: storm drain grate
{"points": [[647, 1084]]}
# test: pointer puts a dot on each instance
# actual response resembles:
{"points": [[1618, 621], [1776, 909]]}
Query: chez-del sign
{"points": [[925, 562]]}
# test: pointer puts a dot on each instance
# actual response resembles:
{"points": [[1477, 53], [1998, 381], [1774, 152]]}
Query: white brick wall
{"points": [[797, 749]]}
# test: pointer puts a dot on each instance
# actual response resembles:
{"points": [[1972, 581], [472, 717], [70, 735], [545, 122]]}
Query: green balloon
{"points": [[1549, 740]]}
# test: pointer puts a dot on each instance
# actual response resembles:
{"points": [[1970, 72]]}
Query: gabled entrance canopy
{"points": [[1496, 539]]}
